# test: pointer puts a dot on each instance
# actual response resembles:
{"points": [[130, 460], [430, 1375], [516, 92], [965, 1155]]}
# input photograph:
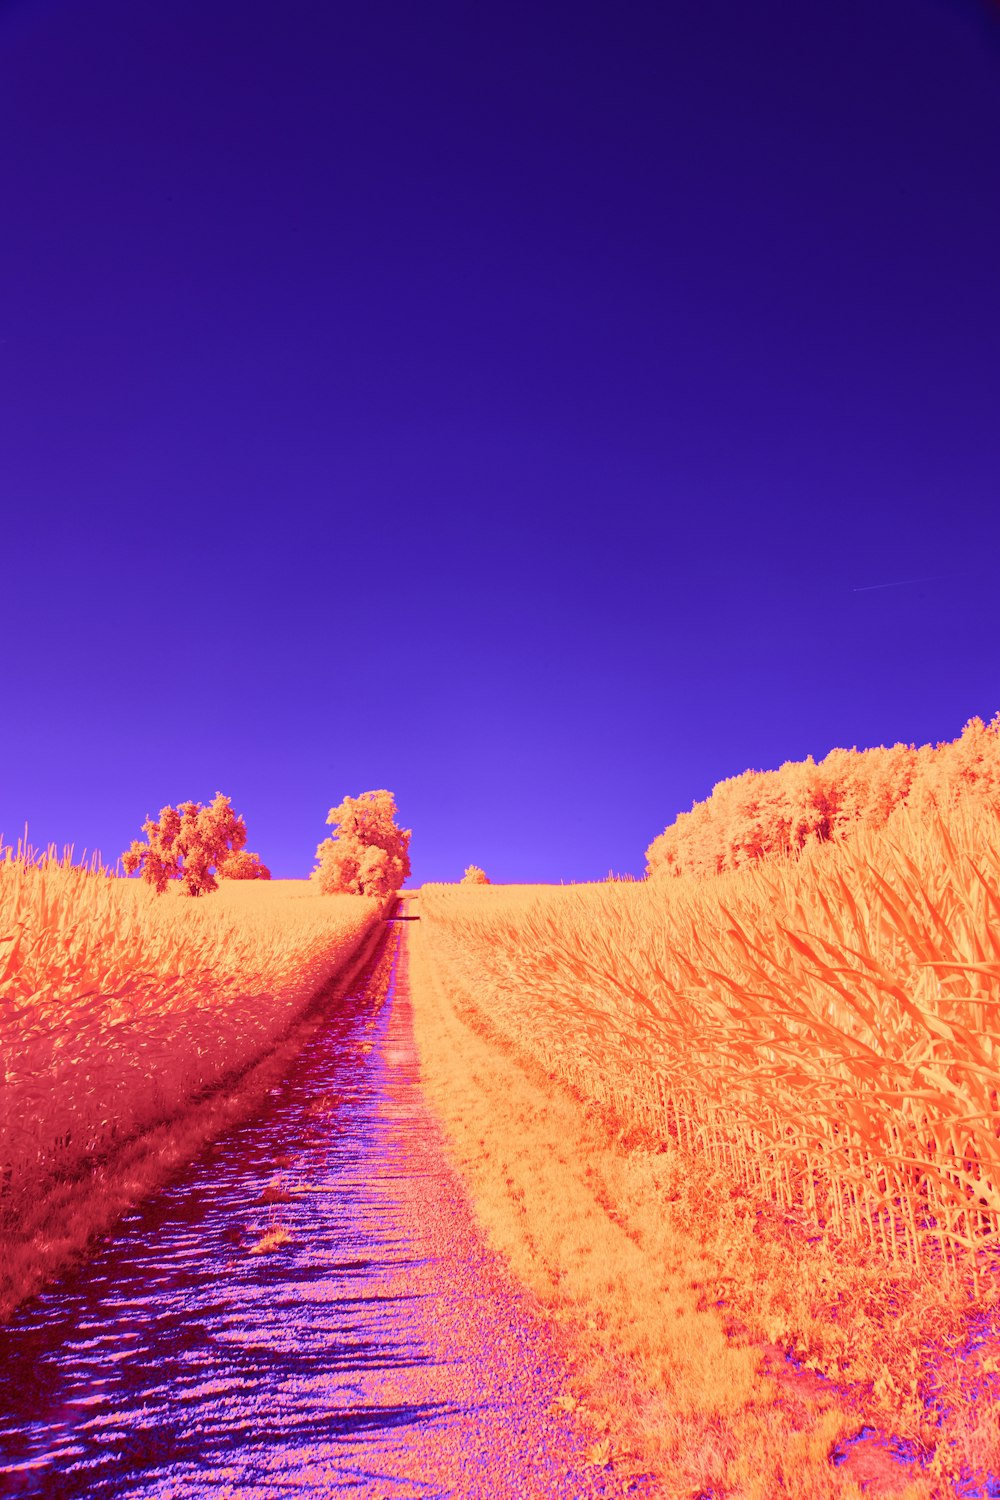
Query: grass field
{"points": [[798, 1062], [120, 1011]]}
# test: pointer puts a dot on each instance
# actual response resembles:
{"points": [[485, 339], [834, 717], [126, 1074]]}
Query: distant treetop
{"points": [[368, 854], [243, 865], [188, 842]]}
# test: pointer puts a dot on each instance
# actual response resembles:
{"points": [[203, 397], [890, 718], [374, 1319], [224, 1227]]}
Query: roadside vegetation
{"points": [[135, 1023], [761, 814], [775, 1090]]}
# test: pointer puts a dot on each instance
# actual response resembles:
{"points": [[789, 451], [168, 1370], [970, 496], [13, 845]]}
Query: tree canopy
{"points": [[765, 813], [188, 843], [368, 855]]}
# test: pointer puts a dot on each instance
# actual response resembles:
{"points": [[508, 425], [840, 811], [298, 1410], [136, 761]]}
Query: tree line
{"points": [[767, 813], [198, 844]]}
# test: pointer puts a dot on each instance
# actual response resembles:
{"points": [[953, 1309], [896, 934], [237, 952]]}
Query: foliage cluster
{"points": [[764, 813], [191, 841], [242, 864], [475, 876], [368, 855]]}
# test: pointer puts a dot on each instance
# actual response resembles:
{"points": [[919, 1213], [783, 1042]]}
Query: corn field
{"points": [[824, 1028], [118, 1006]]}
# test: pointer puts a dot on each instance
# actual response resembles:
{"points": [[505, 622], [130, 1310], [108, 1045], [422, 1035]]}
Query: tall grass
{"points": [[117, 1006], [826, 1029]]}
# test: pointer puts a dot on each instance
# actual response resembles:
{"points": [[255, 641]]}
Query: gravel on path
{"points": [[308, 1309]]}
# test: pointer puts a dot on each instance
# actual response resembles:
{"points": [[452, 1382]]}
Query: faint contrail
{"points": [[866, 588]]}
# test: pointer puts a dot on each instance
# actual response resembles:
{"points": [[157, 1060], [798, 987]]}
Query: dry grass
{"points": [[814, 1042], [272, 1239], [119, 1010]]}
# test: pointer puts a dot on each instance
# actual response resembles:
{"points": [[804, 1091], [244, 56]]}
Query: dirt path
{"points": [[378, 1351]]}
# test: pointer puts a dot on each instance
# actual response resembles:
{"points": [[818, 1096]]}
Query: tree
{"points": [[186, 844], [368, 854], [242, 865], [475, 876]]}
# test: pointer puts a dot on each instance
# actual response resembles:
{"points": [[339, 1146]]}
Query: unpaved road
{"points": [[380, 1352]]}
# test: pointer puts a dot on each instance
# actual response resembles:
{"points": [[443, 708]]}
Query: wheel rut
{"points": [[307, 1309]]}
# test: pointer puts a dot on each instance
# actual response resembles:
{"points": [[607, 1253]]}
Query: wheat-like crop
{"points": [[118, 1006], [824, 1028]]}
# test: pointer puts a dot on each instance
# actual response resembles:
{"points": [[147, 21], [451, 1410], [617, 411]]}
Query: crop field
{"points": [[814, 1042], [117, 1007], [713, 1123], [827, 1029]]}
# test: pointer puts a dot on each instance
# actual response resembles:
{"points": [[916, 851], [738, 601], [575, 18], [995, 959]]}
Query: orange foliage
{"points": [[367, 855], [187, 843], [475, 876], [800, 1062], [838, 1013], [243, 865], [764, 813]]}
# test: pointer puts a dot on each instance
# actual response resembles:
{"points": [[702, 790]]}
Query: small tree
{"points": [[475, 876], [186, 844], [367, 855], [242, 864]]}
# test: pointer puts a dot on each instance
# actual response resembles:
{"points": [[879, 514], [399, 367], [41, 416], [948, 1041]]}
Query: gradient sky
{"points": [[542, 411]]}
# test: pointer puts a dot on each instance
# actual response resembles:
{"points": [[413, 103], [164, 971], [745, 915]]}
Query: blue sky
{"points": [[541, 411]]}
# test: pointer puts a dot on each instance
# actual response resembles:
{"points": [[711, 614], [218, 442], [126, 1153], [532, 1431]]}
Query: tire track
{"points": [[378, 1350]]}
